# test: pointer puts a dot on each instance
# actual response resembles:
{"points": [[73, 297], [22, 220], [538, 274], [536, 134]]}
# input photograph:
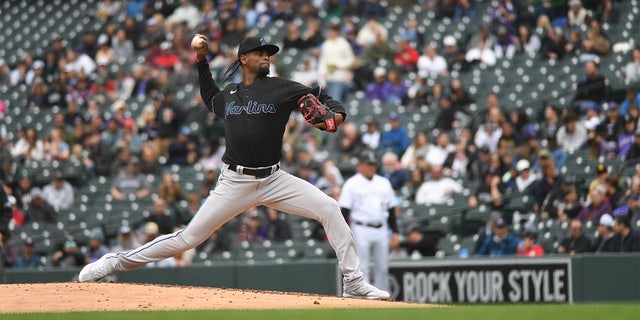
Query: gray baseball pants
{"points": [[235, 193]]}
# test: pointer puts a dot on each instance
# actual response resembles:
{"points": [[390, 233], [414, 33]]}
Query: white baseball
{"points": [[198, 41]]}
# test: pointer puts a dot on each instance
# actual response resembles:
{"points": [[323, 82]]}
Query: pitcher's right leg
{"points": [[230, 197]]}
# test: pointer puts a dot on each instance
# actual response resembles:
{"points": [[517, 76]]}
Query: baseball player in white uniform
{"points": [[367, 200], [255, 114]]}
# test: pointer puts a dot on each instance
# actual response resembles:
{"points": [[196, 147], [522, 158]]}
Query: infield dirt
{"points": [[103, 296]]}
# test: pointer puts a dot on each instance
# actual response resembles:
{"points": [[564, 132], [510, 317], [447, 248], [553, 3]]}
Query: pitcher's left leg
{"points": [[287, 193]]}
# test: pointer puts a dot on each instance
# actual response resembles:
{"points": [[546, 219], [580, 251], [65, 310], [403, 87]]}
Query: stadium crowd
{"points": [[142, 53]]}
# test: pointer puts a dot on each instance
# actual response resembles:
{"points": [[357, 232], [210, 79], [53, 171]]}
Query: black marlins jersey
{"points": [[255, 116]]}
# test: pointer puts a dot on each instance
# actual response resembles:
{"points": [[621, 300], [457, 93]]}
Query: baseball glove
{"points": [[315, 112]]}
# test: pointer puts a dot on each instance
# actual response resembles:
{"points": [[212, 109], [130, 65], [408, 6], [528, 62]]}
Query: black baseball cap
{"points": [[254, 44], [368, 157]]}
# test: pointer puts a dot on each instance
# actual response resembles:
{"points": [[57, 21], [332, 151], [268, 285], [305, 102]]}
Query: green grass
{"points": [[615, 311]]}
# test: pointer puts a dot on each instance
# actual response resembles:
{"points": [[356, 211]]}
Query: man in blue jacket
{"points": [[501, 242]]}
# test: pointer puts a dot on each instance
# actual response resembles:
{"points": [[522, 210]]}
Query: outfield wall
{"points": [[552, 279]]}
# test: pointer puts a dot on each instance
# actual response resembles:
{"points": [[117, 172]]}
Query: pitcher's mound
{"points": [[69, 296]]}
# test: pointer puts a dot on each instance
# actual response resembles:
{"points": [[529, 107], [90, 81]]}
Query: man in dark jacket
{"points": [[576, 242], [604, 241], [626, 239]]}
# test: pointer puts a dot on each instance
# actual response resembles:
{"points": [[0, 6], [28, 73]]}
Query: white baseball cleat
{"points": [[366, 291], [99, 269]]}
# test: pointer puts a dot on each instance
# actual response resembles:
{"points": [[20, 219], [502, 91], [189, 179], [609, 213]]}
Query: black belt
{"points": [[258, 173], [370, 225]]}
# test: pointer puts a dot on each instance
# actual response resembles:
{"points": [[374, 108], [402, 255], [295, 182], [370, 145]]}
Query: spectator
{"points": [[626, 238], [411, 33], [572, 135], [395, 89], [602, 174], [446, 119], [527, 42], [334, 66], [371, 138], [8, 249], [149, 163], [38, 93], [131, 182], [577, 16], [574, 45], [604, 241], [454, 55], [293, 38], [615, 193], [481, 54], [39, 210], [460, 97], [631, 101], [489, 135], [417, 242], [529, 246], [393, 171], [506, 44], [306, 73], [55, 148], [348, 140], [569, 207], [69, 256], [431, 64], [59, 193], [28, 259], [96, 247], [183, 150], [129, 137], [21, 189], [438, 153], [632, 68], [370, 31], [631, 207], [490, 191], [417, 151], [437, 189], [331, 180], [606, 12], [126, 240], [79, 62], [376, 90], [634, 150], [553, 44], [501, 242], [29, 147], [591, 88], [161, 216], [596, 42], [597, 206], [121, 162], [278, 229], [525, 177], [405, 57], [185, 13], [122, 47], [395, 139], [465, 8], [169, 190], [444, 9], [576, 242], [168, 120], [253, 229]]}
